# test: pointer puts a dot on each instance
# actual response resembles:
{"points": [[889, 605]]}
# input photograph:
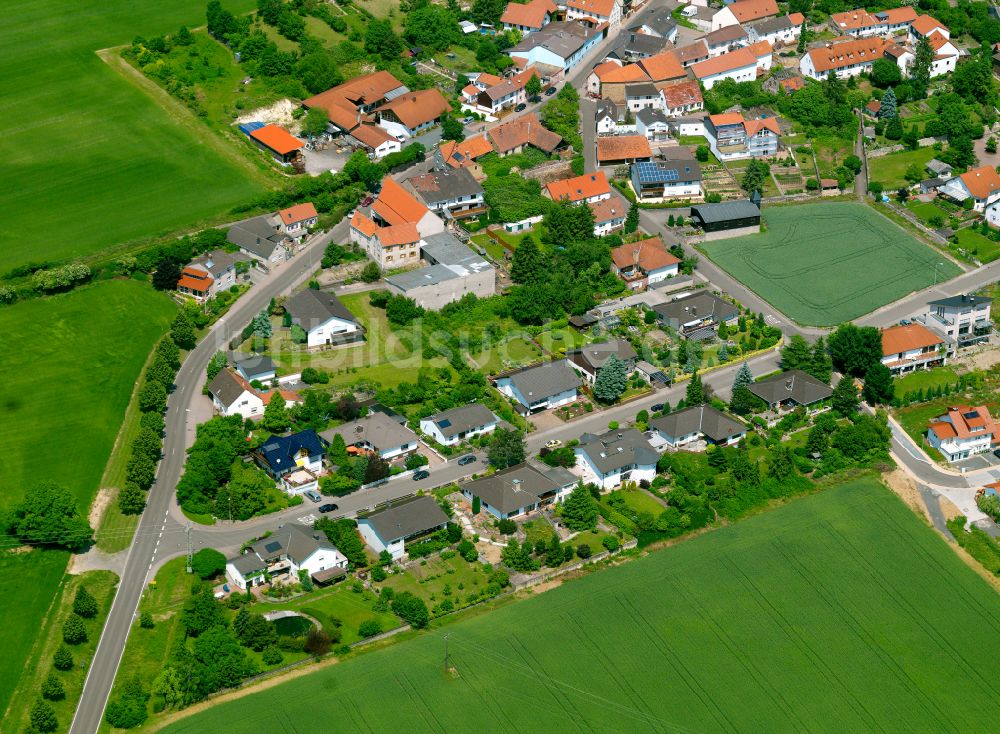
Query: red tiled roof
{"points": [[680, 94], [289, 395], [417, 108], [924, 24], [607, 210], [696, 50], [458, 155], [663, 66], [981, 182], [847, 53], [874, 106], [371, 135], [796, 19], [298, 213], [737, 59], [755, 126], [900, 339], [760, 49], [600, 8], [396, 205], [523, 130], [612, 73], [363, 224], [341, 102], [529, 15], [277, 139], [943, 430], [851, 20], [792, 84], [748, 10], [398, 234], [727, 118], [623, 147], [195, 280], [579, 187], [649, 254], [905, 14]]}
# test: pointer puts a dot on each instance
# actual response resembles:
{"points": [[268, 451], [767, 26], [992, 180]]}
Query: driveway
{"points": [[979, 461]]}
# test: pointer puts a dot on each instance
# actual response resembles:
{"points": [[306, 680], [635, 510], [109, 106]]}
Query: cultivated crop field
{"points": [[90, 161], [841, 611], [823, 264]]}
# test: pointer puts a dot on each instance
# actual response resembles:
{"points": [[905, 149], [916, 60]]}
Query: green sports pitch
{"points": [[823, 264], [841, 612]]}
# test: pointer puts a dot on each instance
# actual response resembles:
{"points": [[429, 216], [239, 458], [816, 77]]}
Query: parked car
{"points": [[467, 120], [996, 453], [466, 460], [420, 474], [521, 107], [313, 495], [367, 201], [328, 507], [656, 408], [553, 444], [550, 91]]}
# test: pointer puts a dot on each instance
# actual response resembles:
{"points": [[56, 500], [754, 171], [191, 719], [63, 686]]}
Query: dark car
{"points": [[330, 507], [550, 91], [420, 474], [467, 459], [521, 107], [656, 408], [996, 453], [367, 200]]}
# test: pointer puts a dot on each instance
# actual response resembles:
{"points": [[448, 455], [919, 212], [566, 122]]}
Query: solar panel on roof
{"points": [[445, 423], [272, 547], [650, 172]]}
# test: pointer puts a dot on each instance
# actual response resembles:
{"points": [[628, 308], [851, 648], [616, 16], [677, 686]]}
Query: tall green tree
{"points": [[888, 109], [182, 332], [533, 87], [48, 515], [854, 349], [742, 400], [796, 354], [579, 510], [84, 603], [879, 388], [820, 364], [276, 418], [381, 41], [754, 176], [507, 448], [920, 71], [527, 266], [695, 394], [451, 129], [262, 325], [632, 219], [611, 381]]}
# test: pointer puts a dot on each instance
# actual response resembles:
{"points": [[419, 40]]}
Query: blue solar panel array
{"points": [[650, 172]]}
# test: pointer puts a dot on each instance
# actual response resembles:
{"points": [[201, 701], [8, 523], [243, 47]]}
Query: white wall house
{"points": [[390, 528], [739, 65], [963, 432], [520, 489], [323, 317], [282, 555], [451, 427], [376, 432], [615, 457], [539, 388], [981, 184], [233, 395]]}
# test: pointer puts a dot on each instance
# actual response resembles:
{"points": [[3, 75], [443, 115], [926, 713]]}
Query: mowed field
{"points": [[823, 264], [838, 612], [91, 161]]}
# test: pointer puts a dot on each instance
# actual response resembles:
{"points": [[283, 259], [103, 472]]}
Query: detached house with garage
{"points": [[541, 387], [520, 489], [282, 555], [911, 347], [850, 58], [685, 427], [262, 239], [963, 432], [791, 389], [453, 426], [323, 317], [375, 433], [294, 461], [207, 275], [644, 263], [296, 221], [656, 181], [514, 136], [982, 185], [234, 395], [609, 215], [588, 360], [615, 457], [697, 316], [405, 521]]}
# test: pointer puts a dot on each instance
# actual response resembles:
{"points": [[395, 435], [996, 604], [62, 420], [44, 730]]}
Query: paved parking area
{"points": [[979, 461]]}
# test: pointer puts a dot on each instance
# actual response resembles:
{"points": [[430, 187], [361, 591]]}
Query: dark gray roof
{"points": [[438, 187], [704, 419], [280, 452], [771, 25], [546, 380], [294, 541], [726, 34], [227, 386], [248, 563], [643, 89], [605, 107], [698, 305], [595, 355], [519, 486], [378, 429], [795, 385], [939, 167], [257, 236], [641, 44], [449, 258], [312, 308], [649, 115], [961, 301], [726, 210], [403, 519], [463, 418], [693, 51], [216, 262], [253, 365], [617, 448], [660, 22], [561, 38]]}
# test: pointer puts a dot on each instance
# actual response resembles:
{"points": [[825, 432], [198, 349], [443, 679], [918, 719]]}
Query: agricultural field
{"points": [[93, 160], [822, 264], [842, 606]]}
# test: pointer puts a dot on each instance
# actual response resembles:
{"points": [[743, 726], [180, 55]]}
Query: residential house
{"points": [[540, 387], [924, 26], [557, 48], [652, 124], [963, 432], [609, 215], [252, 367], [791, 389], [259, 238], [413, 112], [727, 218], [991, 214], [609, 80], [451, 427], [390, 528], [528, 17], [281, 144], [348, 105], [588, 188], [234, 395], [965, 319], [375, 433], [692, 53], [323, 317], [697, 316], [860, 23], [910, 347], [655, 181], [297, 458], [520, 489], [662, 68], [453, 270], [376, 140], [731, 137], [394, 207], [633, 45], [620, 455], [981, 184], [659, 24], [744, 11], [505, 94], [681, 98], [207, 275], [515, 135], [847, 58], [739, 65], [389, 247], [780, 31], [595, 12], [297, 220], [764, 54], [698, 423], [946, 54], [282, 554], [642, 96], [590, 358], [644, 263], [451, 194], [452, 154], [622, 149], [726, 39], [607, 117]]}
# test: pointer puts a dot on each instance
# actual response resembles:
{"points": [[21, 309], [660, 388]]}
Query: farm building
{"points": [[727, 219], [277, 141]]}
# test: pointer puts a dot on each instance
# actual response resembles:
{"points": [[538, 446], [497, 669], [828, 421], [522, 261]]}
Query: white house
{"points": [[606, 117], [850, 58], [910, 347], [297, 220], [560, 45], [981, 184], [739, 65], [683, 428], [964, 431], [745, 11], [377, 140], [233, 395], [963, 318], [615, 457], [781, 31], [451, 427], [390, 528], [653, 124], [641, 96], [594, 11], [946, 54], [681, 98], [283, 554], [520, 489], [208, 275], [541, 387], [586, 189], [451, 193], [376, 432], [527, 17], [641, 264], [323, 317], [609, 215]]}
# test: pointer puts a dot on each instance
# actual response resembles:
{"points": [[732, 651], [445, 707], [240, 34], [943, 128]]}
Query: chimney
{"points": [[516, 484]]}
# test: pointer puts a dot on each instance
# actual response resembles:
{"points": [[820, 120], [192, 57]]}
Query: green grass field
{"points": [[889, 170], [822, 264], [924, 379], [841, 611], [91, 161]]}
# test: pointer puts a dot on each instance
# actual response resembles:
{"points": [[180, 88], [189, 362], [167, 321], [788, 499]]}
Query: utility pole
{"points": [[446, 652], [187, 532]]}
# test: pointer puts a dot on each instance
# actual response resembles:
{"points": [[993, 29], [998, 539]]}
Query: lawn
{"points": [[924, 379], [889, 170], [840, 607], [982, 248], [822, 264], [926, 210], [90, 159], [914, 418]]}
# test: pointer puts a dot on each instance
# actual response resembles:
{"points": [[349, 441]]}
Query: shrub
{"points": [[63, 658], [272, 655], [84, 603], [611, 543], [52, 689], [379, 574], [370, 628], [146, 621], [411, 609], [317, 643], [583, 551], [507, 527], [73, 630], [208, 563], [43, 717]]}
